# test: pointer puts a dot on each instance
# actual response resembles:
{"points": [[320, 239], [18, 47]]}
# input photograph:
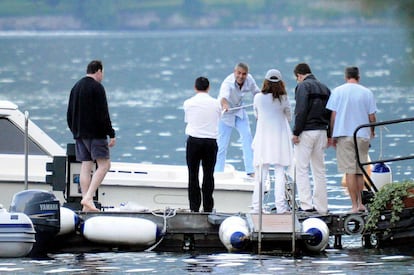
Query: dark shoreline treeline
{"points": [[197, 14]]}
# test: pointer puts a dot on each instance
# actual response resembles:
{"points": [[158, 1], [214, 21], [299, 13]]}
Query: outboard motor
{"points": [[43, 208]]}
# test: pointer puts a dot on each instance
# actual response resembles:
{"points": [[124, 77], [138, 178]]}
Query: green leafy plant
{"points": [[389, 197]]}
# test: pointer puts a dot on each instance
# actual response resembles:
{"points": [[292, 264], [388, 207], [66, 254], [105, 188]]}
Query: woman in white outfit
{"points": [[272, 143]]}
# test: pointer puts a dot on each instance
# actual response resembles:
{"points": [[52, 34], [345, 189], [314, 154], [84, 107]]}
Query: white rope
{"points": [[240, 107], [171, 213], [381, 132], [236, 108]]}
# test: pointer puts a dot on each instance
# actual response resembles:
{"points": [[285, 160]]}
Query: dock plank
{"points": [[273, 223]]}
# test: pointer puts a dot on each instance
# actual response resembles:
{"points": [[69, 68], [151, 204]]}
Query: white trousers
{"points": [[280, 198], [311, 151]]}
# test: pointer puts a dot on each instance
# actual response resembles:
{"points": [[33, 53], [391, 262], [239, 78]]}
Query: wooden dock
{"points": [[188, 232], [198, 232], [272, 223]]}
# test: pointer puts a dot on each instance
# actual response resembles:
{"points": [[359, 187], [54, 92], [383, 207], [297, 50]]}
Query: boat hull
{"points": [[17, 234], [154, 198], [148, 197]]}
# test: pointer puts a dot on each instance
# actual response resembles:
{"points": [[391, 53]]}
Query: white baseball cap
{"points": [[273, 75]]}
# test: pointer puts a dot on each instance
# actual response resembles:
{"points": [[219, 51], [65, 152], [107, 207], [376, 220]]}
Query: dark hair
{"points": [[302, 68], [94, 66], [352, 72], [202, 83], [277, 89]]}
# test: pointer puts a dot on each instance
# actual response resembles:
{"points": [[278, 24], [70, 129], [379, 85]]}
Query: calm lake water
{"points": [[148, 76], [349, 261]]}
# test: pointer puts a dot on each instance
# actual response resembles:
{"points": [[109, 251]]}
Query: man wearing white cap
{"points": [[272, 143]]}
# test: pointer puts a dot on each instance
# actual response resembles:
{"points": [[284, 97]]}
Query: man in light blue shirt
{"points": [[352, 105], [232, 90]]}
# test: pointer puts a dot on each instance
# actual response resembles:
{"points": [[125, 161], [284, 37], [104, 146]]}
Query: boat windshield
{"points": [[12, 140]]}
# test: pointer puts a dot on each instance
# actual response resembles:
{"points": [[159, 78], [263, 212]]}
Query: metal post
{"points": [[26, 149], [294, 212], [260, 208]]}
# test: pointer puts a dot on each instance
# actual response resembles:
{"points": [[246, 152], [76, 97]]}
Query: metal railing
{"points": [[26, 150], [371, 186]]}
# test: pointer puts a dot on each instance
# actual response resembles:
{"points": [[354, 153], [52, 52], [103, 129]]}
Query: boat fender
{"points": [[68, 221], [381, 175], [320, 232], [354, 224], [234, 233], [120, 230]]}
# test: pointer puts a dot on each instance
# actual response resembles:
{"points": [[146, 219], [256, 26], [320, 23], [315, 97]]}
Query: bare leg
{"points": [[88, 190], [85, 176], [360, 184], [351, 181]]}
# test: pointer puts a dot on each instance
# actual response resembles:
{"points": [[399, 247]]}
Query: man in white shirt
{"points": [[232, 90], [202, 113], [352, 105]]}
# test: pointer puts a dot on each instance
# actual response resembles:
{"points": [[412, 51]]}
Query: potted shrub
{"points": [[393, 197]]}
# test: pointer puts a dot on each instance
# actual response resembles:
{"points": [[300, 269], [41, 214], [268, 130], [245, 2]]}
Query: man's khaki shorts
{"points": [[346, 155]]}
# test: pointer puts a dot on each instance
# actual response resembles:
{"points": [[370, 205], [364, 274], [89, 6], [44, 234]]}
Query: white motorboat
{"points": [[25, 151]]}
